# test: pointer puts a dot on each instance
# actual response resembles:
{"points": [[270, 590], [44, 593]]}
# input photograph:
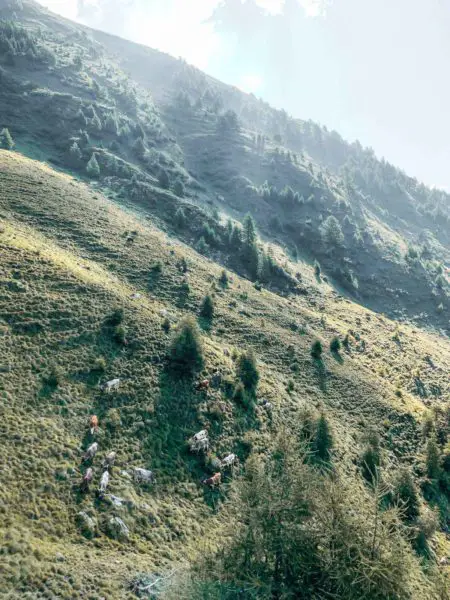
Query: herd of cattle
{"points": [[198, 443]]}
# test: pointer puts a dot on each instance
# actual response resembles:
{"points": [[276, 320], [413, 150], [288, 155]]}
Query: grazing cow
{"points": [[91, 452], [229, 460], [93, 424], [109, 386], [267, 405], [202, 385], [104, 482], [109, 460], [200, 435], [143, 475], [213, 481], [87, 478]]}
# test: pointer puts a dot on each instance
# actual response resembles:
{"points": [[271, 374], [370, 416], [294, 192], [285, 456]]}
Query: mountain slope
{"points": [[67, 266]]}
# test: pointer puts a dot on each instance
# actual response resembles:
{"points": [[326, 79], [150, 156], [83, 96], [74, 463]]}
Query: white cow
{"points": [[91, 451], [201, 435], [229, 460], [109, 386], [109, 460], [143, 475], [104, 482]]}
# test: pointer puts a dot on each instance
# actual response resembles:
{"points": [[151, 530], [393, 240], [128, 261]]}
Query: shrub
{"points": [[157, 267], [239, 394], [433, 460], [186, 350], [371, 460], [6, 140], [163, 179], [247, 370], [166, 325], [332, 232], [54, 377], [178, 188], [405, 493], [112, 419], [316, 349], [323, 439], [223, 279], [116, 317], [99, 365], [207, 308], [335, 345], [180, 218], [120, 334], [92, 167]]}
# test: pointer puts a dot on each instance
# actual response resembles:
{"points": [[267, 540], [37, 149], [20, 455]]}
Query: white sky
{"points": [[374, 70]]}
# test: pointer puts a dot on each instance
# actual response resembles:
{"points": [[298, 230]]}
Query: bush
{"points": [[316, 349], [120, 334], [371, 460], [54, 377], [116, 317], [433, 460], [180, 218], [92, 167], [207, 308], [99, 365], [405, 493], [178, 189], [6, 141], [186, 351], [323, 439], [223, 279], [163, 179], [247, 370], [335, 345], [166, 325]]}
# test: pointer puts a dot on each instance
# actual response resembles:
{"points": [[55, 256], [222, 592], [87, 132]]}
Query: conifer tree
{"points": [[186, 351], [323, 440], [92, 167], [6, 140]]}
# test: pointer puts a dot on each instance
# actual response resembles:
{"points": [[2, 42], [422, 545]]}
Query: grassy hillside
{"points": [[67, 265]]}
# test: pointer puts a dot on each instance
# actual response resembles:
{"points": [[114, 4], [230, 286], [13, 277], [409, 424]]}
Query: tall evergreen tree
{"points": [[6, 140], [92, 167]]}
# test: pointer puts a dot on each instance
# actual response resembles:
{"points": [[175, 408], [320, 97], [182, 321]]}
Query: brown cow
{"points": [[93, 424], [87, 478], [202, 385], [213, 481]]}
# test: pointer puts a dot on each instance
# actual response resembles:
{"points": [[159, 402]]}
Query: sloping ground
{"points": [[67, 264]]}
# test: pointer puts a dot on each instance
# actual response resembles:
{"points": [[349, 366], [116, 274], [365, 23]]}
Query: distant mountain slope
{"points": [[154, 122]]}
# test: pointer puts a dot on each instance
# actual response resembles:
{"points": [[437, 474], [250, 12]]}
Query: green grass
{"points": [[66, 267]]}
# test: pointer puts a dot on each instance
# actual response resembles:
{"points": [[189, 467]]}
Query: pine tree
{"points": [[249, 235], [92, 167], [247, 370], [332, 232], [405, 492], [6, 140], [223, 279], [178, 188], [316, 349], [139, 148], [207, 308], [323, 440], [433, 460], [186, 351], [75, 154], [180, 218], [163, 179]]}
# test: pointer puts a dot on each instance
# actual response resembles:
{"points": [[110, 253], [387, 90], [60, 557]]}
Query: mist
{"points": [[373, 70]]}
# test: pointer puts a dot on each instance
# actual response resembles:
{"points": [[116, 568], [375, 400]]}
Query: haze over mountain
{"points": [[371, 70], [224, 338]]}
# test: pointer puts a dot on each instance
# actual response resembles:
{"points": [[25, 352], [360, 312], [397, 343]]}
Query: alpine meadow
{"points": [[224, 339]]}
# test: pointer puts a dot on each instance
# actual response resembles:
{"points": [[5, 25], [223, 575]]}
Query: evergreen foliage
{"points": [[6, 141], [186, 350], [247, 370], [93, 168]]}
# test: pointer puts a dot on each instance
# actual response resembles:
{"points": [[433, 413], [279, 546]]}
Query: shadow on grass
{"points": [[321, 373], [338, 357]]}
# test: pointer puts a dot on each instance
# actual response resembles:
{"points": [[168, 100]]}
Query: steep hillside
{"points": [[160, 129], [68, 264], [163, 229]]}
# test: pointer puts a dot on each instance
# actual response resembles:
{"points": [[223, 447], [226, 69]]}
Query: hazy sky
{"points": [[374, 70]]}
